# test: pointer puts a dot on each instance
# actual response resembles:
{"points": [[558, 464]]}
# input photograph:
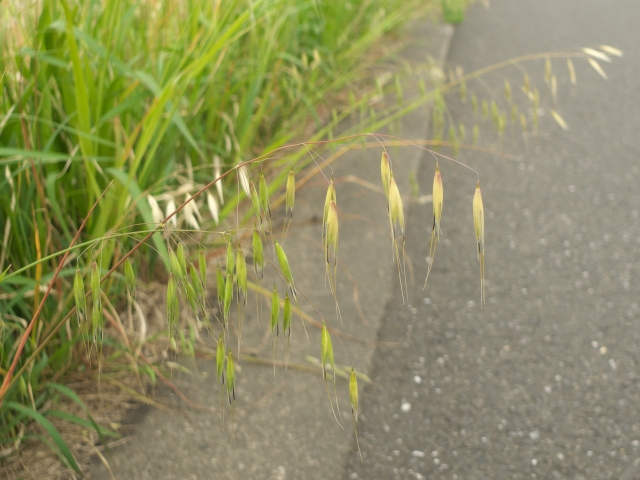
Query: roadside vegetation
{"points": [[151, 141]]}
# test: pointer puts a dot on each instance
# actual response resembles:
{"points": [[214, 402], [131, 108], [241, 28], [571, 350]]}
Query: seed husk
{"points": [[241, 275], [176, 267], [220, 286], [436, 232], [228, 296], [255, 200], [220, 357], [326, 352], [275, 311], [258, 252], [385, 171], [231, 259], [286, 316], [284, 268], [478, 221], [353, 397], [172, 303], [331, 197], [396, 212], [264, 197], [182, 258], [332, 232], [291, 193], [231, 378]]}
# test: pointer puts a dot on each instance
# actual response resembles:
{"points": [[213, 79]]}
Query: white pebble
{"points": [[534, 462], [417, 453], [405, 407], [417, 379]]}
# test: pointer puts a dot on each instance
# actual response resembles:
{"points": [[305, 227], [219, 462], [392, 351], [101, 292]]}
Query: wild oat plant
{"points": [[252, 243]]}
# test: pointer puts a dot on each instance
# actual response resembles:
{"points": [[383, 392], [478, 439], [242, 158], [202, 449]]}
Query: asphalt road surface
{"points": [[544, 380]]}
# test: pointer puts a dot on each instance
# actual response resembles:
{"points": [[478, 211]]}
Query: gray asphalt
{"points": [[544, 380]]}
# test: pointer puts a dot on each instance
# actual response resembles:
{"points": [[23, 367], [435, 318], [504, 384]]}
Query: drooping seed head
{"points": [[220, 357], [172, 302], [286, 316], [331, 197], [258, 252], [80, 296], [176, 267], [396, 212], [231, 259], [220, 287], [326, 351], [255, 199], [478, 221], [241, 274], [182, 258], [275, 310], [353, 393], [228, 296], [284, 267], [438, 199], [197, 285], [478, 216], [291, 193], [231, 378], [385, 171], [243, 176], [332, 231]]}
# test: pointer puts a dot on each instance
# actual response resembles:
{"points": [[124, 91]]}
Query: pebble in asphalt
{"points": [[543, 381]]}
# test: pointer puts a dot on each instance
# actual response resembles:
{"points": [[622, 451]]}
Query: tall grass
{"points": [[143, 96]]}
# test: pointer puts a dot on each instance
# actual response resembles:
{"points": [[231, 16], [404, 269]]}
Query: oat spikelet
{"points": [[436, 232], [353, 398], [290, 197], [275, 332], [231, 378], [264, 199], [396, 217], [286, 325], [172, 304], [596, 54], [326, 356], [478, 222], [385, 170], [258, 253], [611, 50]]}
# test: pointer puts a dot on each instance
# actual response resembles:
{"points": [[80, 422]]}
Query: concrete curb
{"points": [[291, 432]]}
